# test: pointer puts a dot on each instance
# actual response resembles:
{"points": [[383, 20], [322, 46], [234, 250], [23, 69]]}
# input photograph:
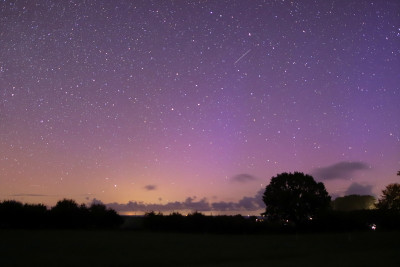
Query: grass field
{"points": [[129, 248]]}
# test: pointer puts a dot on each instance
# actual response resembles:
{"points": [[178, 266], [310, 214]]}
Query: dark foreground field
{"points": [[125, 248]]}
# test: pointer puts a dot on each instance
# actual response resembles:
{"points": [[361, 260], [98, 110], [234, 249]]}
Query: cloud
{"points": [[190, 204], [29, 195], [243, 178], [246, 203], [359, 189], [341, 170], [150, 187]]}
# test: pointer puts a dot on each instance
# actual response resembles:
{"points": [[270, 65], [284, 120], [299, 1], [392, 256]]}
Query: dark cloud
{"points": [[29, 195], [341, 170], [201, 205], [359, 189], [243, 178], [251, 203], [150, 187], [190, 204]]}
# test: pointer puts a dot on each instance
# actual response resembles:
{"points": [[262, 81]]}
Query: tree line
{"points": [[65, 214], [330, 221], [296, 199], [294, 202]]}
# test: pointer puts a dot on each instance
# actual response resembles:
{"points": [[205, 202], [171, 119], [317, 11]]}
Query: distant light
{"points": [[373, 227]]}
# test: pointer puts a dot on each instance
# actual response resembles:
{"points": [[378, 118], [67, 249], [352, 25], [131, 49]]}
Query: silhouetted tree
{"points": [[14, 214], [67, 213], [102, 217], [35, 215], [295, 198], [390, 199], [176, 221], [66, 206], [11, 213], [353, 202], [153, 221], [197, 222]]}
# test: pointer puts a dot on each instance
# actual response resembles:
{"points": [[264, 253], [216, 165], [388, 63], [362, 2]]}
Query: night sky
{"points": [[195, 105]]}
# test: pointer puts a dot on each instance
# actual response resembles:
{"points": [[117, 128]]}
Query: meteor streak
{"points": [[242, 57]]}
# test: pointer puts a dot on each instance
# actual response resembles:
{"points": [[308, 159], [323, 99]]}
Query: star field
{"points": [[162, 101]]}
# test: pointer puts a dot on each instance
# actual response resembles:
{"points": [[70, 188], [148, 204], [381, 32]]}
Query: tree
{"points": [[11, 213], [390, 199], [354, 202], [66, 206], [35, 215], [67, 213], [295, 198], [102, 217]]}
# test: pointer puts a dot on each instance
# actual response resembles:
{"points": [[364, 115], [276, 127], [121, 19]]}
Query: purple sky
{"points": [[183, 105]]}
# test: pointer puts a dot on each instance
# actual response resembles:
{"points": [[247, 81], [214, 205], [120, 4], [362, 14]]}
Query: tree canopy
{"points": [[295, 197], [390, 199]]}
